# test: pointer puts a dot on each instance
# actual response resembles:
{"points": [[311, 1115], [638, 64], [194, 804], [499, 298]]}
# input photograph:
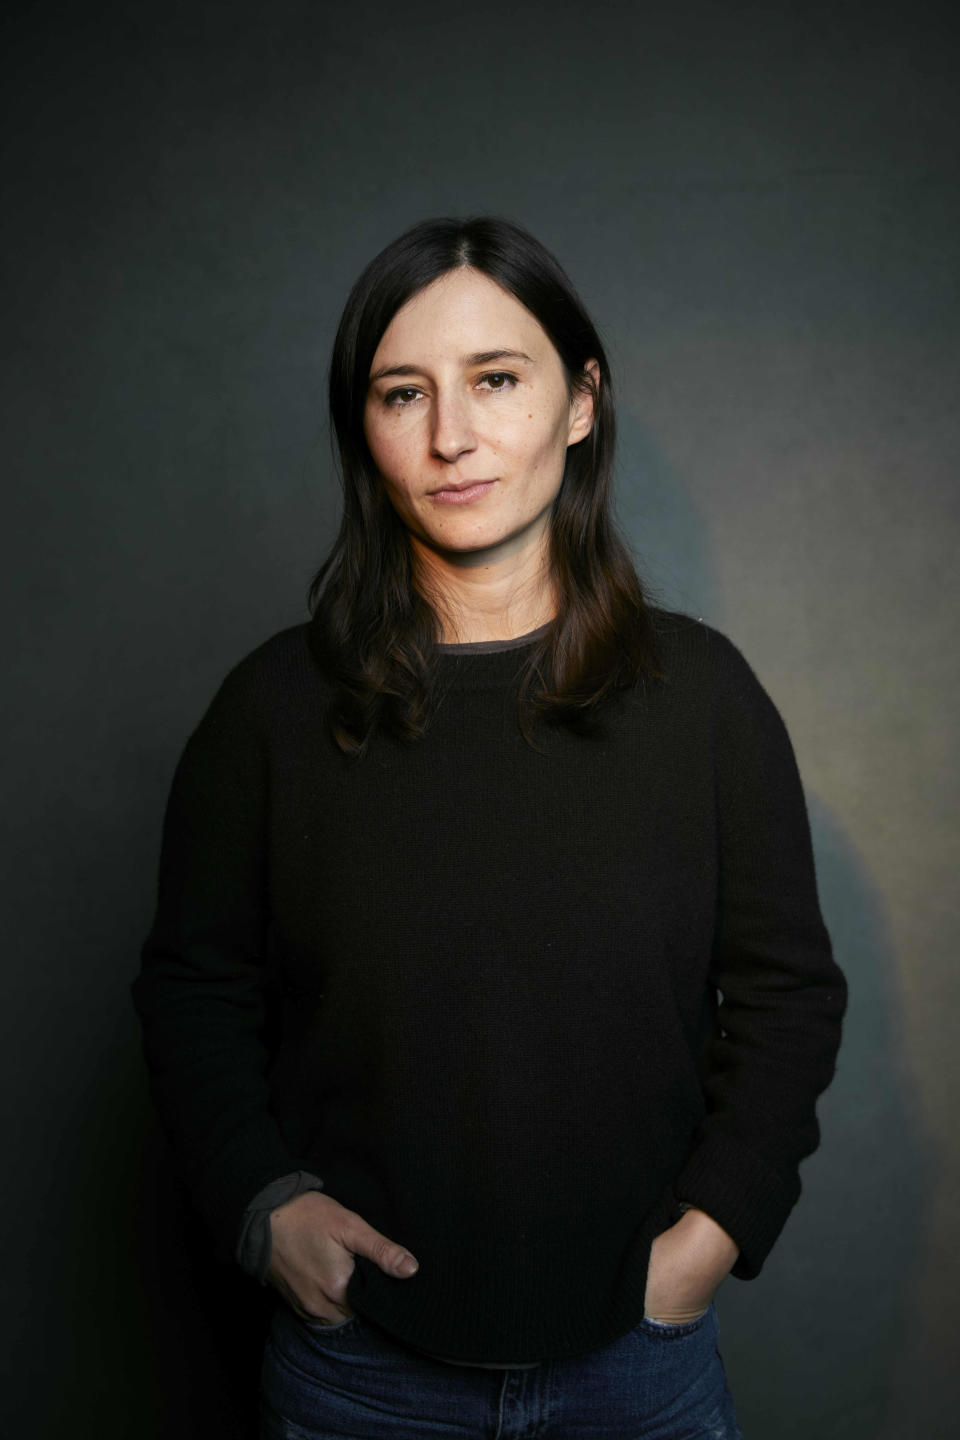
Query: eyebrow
{"points": [[479, 357]]}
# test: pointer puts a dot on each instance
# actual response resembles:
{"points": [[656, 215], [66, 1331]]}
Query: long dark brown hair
{"points": [[374, 629]]}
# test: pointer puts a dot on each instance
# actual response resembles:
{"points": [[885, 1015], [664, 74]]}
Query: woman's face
{"points": [[470, 428]]}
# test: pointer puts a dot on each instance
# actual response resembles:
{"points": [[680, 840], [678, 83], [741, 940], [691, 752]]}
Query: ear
{"points": [[582, 408]]}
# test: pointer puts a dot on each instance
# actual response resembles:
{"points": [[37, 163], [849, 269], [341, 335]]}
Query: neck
{"points": [[478, 597]]}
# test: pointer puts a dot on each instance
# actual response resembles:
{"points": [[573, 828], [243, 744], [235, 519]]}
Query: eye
{"points": [[393, 397], [504, 381]]}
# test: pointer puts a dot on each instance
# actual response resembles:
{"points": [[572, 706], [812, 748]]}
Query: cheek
{"points": [[526, 435], [541, 442], [387, 450], [395, 465]]}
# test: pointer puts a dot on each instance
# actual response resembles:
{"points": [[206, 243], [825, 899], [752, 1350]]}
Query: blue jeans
{"points": [[353, 1382]]}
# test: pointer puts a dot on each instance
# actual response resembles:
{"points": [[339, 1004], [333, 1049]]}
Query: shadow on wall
{"points": [[208, 1320], [813, 1345], [657, 516]]}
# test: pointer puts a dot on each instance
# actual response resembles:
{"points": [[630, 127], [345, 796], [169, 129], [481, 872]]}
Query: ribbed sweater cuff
{"points": [[255, 1245], [739, 1190]]}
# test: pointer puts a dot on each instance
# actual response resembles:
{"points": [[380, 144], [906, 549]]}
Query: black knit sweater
{"points": [[474, 985]]}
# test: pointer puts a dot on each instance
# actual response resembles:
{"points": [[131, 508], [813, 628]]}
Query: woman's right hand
{"points": [[314, 1242]]}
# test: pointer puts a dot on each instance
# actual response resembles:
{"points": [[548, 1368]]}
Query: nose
{"points": [[452, 428]]}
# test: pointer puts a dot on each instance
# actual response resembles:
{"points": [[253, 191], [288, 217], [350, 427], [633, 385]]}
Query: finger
{"points": [[393, 1259]]}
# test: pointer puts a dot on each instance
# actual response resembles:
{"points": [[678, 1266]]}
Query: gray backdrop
{"points": [[759, 205]]}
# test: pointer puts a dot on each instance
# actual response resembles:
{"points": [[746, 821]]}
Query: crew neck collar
{"points": [[494, 647]]}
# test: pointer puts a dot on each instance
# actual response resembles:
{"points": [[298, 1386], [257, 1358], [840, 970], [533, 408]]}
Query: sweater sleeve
{"points": [[201, 993], [782, 996]]}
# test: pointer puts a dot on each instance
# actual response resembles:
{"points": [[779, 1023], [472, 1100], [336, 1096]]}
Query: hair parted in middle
{"points": [[374, 630]]}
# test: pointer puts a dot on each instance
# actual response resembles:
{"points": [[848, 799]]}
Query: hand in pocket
{"points": [[314, 1241], [687, 1264]]}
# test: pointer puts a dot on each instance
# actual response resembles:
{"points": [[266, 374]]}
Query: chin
{"points": [[469, 544]]}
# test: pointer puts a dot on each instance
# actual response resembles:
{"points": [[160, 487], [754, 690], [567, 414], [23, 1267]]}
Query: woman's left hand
{"points": [[687, 1264]]}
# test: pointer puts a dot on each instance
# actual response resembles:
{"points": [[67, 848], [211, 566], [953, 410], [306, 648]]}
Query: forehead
{"points": [[461, 311]]}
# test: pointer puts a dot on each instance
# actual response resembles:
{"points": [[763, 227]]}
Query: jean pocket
{"points": [[669, 1331], [318, 1326]]}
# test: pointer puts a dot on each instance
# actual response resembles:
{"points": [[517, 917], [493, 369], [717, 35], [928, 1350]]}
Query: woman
{"points": [[519, 869]]}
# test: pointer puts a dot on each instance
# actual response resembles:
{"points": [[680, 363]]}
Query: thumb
{"points": [[361, 1239]]}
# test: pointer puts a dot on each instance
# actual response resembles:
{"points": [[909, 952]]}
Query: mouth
{"points": [[461, 492]]}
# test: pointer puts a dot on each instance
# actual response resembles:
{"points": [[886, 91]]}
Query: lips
{"points": [[457, 486], [463, 492]]}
